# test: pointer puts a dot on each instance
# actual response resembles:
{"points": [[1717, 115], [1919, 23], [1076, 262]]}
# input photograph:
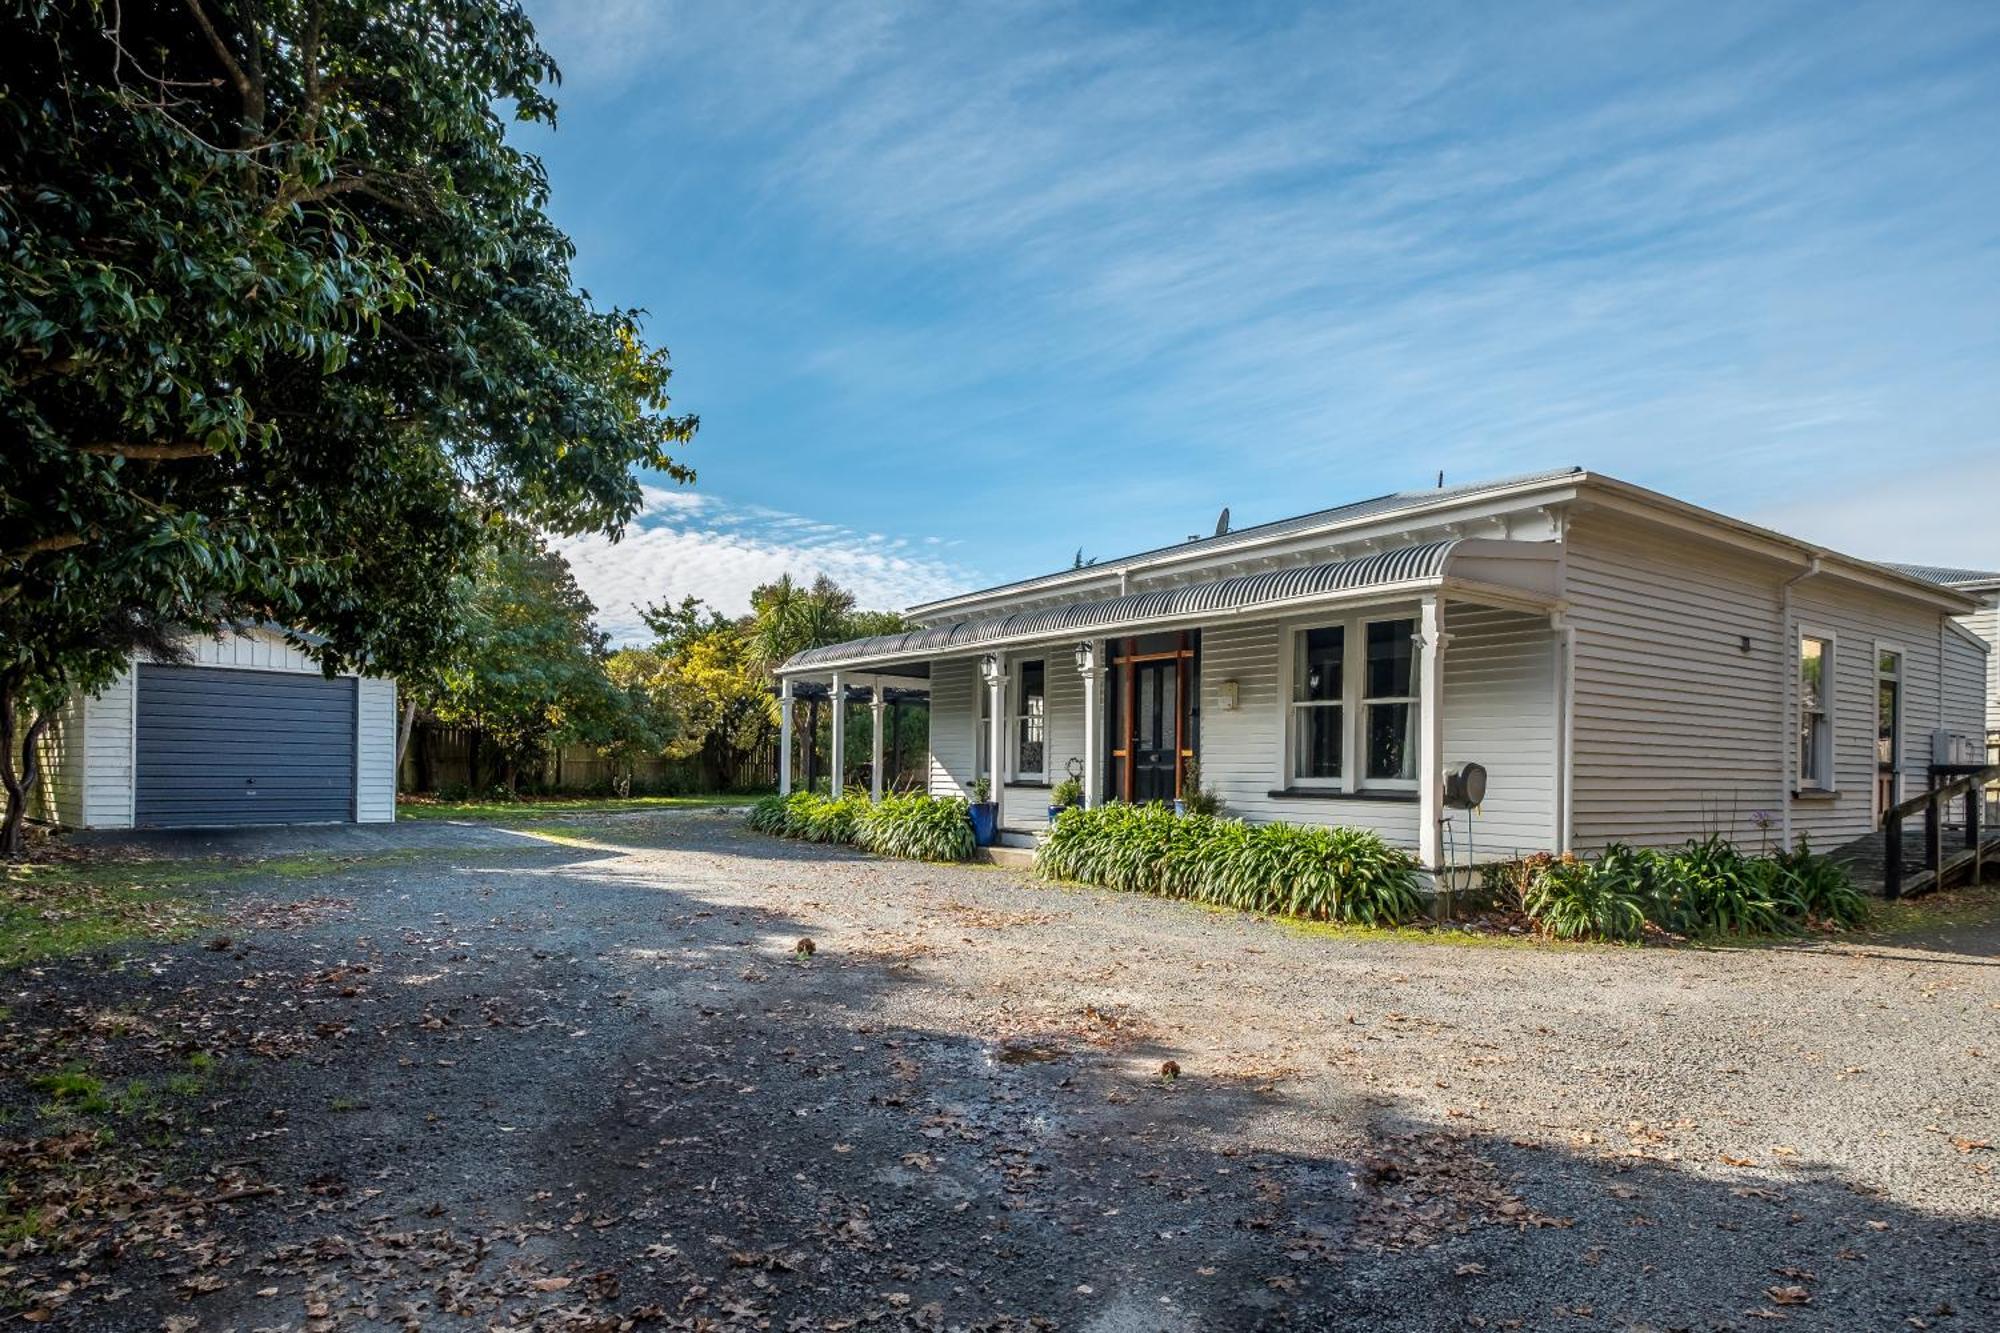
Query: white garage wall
{"points": [[108, 756], [375, 751]]}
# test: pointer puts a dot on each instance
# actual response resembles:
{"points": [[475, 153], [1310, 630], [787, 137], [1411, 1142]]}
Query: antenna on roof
{"points": [[1440, 478], [1222, 522]]}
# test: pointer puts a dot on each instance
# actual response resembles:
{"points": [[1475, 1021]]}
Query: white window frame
{"points": [[1017, 714], [1829, 783], [1415, 699], [1295, 638], [1353, 752], [1902, 679]]}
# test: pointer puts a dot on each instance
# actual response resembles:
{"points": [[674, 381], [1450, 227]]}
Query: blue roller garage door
{"points": [[219, 746]]}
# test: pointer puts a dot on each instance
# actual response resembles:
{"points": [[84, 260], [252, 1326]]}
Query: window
{"points": [[1888, 706], [1318, 692], [1030, 723], [1815, 713], [1389, 702], [1353, 730]]}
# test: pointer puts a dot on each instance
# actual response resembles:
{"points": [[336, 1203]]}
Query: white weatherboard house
{"points": [[248, 732], [1625, 666]]}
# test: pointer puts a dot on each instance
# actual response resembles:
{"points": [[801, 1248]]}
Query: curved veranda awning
{"points": [[1520, 571]]}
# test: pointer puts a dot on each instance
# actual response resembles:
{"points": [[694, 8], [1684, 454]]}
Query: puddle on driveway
{"points": [[1028, 1054]]}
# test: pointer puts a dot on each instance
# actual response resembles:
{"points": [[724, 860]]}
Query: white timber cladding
{"points": [[1679, 732], [375, 751], [108, 755], [1968, 692], [954, 718], [1500, 711], [1675, 728], [1985, 622], [58, 794], [91, 749]]}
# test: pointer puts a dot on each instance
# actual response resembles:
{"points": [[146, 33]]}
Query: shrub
{"points": [[831, 820], [1570, 899], [768, 815], [1194, 799], [1709, 887], [1322, 874], [1816, 888], [1067, 793], [916, 826]]}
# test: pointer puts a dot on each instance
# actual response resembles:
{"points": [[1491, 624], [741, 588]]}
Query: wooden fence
{"points": [[440, 759]]}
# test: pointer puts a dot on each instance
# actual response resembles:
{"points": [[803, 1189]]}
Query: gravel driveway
{"points": [[496, 1082]]}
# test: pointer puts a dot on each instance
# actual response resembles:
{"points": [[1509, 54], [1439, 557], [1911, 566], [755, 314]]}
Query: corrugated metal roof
{"points": [[1233, 594], [1945, 575], [1379, 505]]}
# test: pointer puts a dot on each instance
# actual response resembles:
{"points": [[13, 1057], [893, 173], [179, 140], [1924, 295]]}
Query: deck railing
{"points": [[1969, 784]]}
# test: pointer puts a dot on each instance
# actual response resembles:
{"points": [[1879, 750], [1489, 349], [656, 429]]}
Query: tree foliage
{"points": [[530, 668], [284, 324]]}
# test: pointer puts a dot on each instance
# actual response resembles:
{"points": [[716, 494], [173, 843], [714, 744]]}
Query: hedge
{"points": [[1320, 874]]}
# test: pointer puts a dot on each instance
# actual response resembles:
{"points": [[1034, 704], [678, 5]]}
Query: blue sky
{"points": [[958, 288]]}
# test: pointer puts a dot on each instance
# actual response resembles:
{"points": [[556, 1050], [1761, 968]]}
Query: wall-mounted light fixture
{"points": [[989, 668], [1086, 656]]}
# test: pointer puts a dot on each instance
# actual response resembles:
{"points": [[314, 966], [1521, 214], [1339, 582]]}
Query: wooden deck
{"points": [[1864, 857]]}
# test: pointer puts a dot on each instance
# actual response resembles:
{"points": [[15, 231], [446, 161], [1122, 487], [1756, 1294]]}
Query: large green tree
{"points": [[283, 326], [529, 670]]}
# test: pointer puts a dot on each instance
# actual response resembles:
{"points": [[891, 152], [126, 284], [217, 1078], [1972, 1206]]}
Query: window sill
{"points": [[1324, 794], [1816, 794], [1021, 784]]}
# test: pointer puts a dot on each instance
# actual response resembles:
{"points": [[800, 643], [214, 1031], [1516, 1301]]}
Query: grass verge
{"points": [[540, 807], [53, 909]]}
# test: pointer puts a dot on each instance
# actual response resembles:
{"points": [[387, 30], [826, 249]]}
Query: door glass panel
{"points": [[1886, 710]]}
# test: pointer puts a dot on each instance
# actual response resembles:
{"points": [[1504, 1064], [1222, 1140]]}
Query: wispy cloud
{"points": [[686, 543], [1063, 273]]}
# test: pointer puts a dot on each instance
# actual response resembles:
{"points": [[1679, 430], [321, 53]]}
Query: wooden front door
{"points": [[1153, 722]]}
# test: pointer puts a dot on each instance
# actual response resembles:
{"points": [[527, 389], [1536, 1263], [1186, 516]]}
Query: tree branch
{"points": [[151, 453], [60, 541], [251, 92]]}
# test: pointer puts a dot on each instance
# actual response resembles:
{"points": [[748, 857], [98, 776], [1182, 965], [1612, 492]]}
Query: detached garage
{"points": [[248, 732]]}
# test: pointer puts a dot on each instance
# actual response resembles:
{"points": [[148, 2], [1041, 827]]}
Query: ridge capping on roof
{"points": [[1946, 575]]}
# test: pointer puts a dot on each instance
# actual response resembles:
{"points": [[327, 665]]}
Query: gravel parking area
{"points": [[507, 1082]]}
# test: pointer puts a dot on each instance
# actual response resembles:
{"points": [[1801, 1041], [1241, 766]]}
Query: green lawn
{"points": [[540, 807], [54, 909]]}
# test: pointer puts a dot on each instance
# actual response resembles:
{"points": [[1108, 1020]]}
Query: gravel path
{"points": [[593, 1085]]}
